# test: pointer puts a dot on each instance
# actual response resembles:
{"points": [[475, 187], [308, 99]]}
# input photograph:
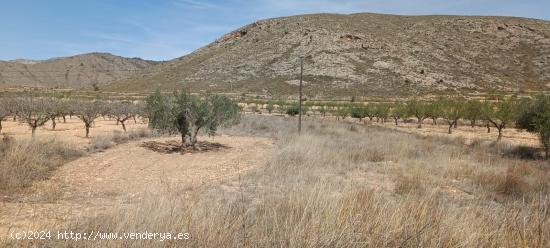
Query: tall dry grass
{"points": [[340, 185], [24, 161]]}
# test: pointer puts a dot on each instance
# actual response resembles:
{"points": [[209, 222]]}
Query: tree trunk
{"points": [[499, 134], [396, 119], [456, 124], [123, 126], [546, 152], [434, 123], [182, 140], [450, 127], [64, 119], [488, 128], [53, 123], [135, 121], [473, 123], [117, 122], [87, 126], [33, 128], [0, 125], [420, 122]]}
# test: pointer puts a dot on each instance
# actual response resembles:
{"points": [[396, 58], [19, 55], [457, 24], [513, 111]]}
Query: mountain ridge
{"points": [[78, 71], [364, 54]]}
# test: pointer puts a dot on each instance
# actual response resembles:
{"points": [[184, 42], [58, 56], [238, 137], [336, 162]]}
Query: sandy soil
{"points": [[72, 131], [120, 176]]}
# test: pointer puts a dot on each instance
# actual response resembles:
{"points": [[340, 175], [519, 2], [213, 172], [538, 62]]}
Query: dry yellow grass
{"points": [[23, 162], [339, 185]]}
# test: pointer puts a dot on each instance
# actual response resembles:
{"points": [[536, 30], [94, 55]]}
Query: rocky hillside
{"points": [[80, 71], [365, 54]]}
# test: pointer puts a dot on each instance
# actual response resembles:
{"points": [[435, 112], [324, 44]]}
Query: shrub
{"points": [[294, 110]]}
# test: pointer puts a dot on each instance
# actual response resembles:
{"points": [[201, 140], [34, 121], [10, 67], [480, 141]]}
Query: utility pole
{"points": [[300, 100]]}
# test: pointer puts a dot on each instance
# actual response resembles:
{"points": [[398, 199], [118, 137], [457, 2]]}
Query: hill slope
{"points": [[365, 54], [80, 71]]}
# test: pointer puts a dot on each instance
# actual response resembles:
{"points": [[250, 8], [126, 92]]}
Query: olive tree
{"points": [[88, 111], [294, 109], [501, 114], [33, 111], [534, 116], [188, 114], [419, 110], [358, 112]]}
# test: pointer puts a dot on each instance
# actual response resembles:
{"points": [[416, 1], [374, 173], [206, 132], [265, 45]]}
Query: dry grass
{"points": [[23, 162], [103, 142], [337, 186]]}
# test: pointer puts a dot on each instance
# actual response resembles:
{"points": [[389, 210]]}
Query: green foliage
{"points": [[323, 110], [188, 114], [451, 110], [342, 112], [398, 111], [534, 116], [358, 112], [269, 107], [419, 110], [502, 113], [434, 109], [382, 111], [294, 109], [473, 111]]}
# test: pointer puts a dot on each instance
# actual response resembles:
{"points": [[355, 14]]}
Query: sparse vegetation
{"points": [[24, 162]]}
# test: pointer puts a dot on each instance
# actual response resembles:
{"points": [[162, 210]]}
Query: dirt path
{"points": [[121, 175]]}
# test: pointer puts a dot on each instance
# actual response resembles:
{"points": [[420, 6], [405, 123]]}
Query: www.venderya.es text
{"points": [[97, 235]]}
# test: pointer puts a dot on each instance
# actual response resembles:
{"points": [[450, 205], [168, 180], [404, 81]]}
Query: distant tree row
{"points": [[37, 111]]}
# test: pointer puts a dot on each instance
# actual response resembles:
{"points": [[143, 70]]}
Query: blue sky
{"points": [[166, 29]]}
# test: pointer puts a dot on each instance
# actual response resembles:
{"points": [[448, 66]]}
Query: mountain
{"points": [[364, 54], [80, 71]]}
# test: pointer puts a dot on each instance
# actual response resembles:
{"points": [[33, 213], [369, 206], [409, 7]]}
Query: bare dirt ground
{"points": [[72, 131], [120, 176]]}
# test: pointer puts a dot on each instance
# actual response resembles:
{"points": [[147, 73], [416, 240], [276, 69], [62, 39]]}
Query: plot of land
{"points": [[122, 175]]}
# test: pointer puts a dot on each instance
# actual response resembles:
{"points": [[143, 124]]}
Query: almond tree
{"points": [[34, 112], [6, 109], [382, 112], [451, 111], [57, 109], [419, 110], [88, 111], [473, 111], [501, 114], [433, 110], [122, 112], [398, 111]]}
